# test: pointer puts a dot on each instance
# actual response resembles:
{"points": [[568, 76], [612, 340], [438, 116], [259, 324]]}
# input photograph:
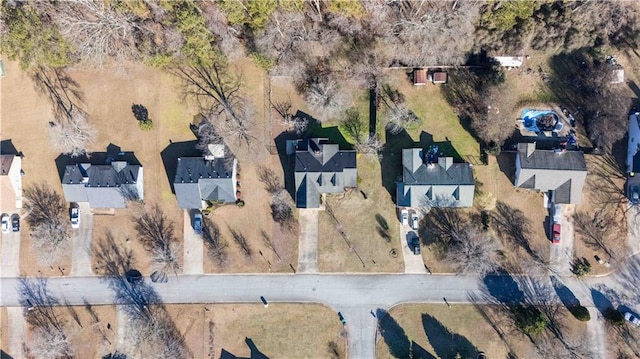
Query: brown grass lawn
{"points": [[357, 217], [4, 339], [107, 97], [618, 231], [492, 179], [279, 331], [443, 332], [87, 337]]}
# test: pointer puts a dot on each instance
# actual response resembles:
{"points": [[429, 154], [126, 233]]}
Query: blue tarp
{"points": [[529, 117]]}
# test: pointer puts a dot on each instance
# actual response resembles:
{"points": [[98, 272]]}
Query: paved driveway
{"points": [[633, 229], [10, 254], [193, 247], [81, 243], [308, 241], [561, 254], [412, 263]]}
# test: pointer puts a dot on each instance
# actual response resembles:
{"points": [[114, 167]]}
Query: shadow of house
{"points": [[445, 343], [171, 154], [103, 179], [393, 334], [255, 352], [315, 129], [391, 162]]}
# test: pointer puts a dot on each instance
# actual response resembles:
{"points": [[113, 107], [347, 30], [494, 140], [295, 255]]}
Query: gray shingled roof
{"points": [[561, 173], [321, 167], [103, 186], [438, 183], [198, 179]]}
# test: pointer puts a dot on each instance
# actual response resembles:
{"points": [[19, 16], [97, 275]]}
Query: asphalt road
{"points": [[353, 295]]}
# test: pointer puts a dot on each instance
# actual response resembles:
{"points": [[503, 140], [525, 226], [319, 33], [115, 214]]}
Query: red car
{"points": [[555, 235]]}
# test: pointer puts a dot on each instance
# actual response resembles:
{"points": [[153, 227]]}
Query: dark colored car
{"points": [[197, 223], [415, 242], [635, 195], [15, 222], [342, 320], [133, 276]]}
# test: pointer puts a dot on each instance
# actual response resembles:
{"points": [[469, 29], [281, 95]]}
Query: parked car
{"points": [[415, 221], [634, 196], [5, 223], [555, 234], [342, 320], [632, 319], [75, 217], [197, 223], [404, 217], [15, 222], [557, 213], [415, 242]]}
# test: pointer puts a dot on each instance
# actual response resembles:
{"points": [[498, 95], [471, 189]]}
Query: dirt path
{"points": [[308, 245], [17, 331], [81, 243], [193, 248]]}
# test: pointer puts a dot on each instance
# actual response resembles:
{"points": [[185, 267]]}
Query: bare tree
{"points": [[282, 211], [73, 136], [49, 339], [399, 116], [272, 182], [478, 253], [218, 93], [241, 240], [216, 245], [513, 226], [98, 31], [155, 231], [596, 232], [63, 92], [269, 243], [50, 228], [297, 123]]}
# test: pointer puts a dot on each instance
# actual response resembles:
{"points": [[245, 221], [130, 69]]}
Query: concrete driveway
{"points": [[412, 263], [10, 254], [81, 239], [633, 229], [561, 254], [308, 241], [192, 245]]}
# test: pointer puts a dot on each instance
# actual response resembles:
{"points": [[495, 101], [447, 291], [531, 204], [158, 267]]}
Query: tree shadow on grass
{"points": [[600, 301], [445, 343], [393, 334], [564, 293]]}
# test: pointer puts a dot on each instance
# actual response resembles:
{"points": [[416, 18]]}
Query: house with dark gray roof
{"points": [[321, 167], [559, 173], [433, 180], [203, 180], [108, 184]]}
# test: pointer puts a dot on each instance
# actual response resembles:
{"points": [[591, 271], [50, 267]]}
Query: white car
{"points": [[404, 217], [632, 319], [415, 221], [75, 217], [5, 223]]}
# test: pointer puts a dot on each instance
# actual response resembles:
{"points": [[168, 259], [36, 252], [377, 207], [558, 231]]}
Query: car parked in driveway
{"points": [[415, 242], [5, 223], [634, 194], [555, 233], [197, 223], [15, 222], [632, 319], [404, 217], [75, 217], [415, 220]]}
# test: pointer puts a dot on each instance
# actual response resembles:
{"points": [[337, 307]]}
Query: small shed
{"points": [[438, 77], [617, 76], [510, 61], [419, 77]]}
